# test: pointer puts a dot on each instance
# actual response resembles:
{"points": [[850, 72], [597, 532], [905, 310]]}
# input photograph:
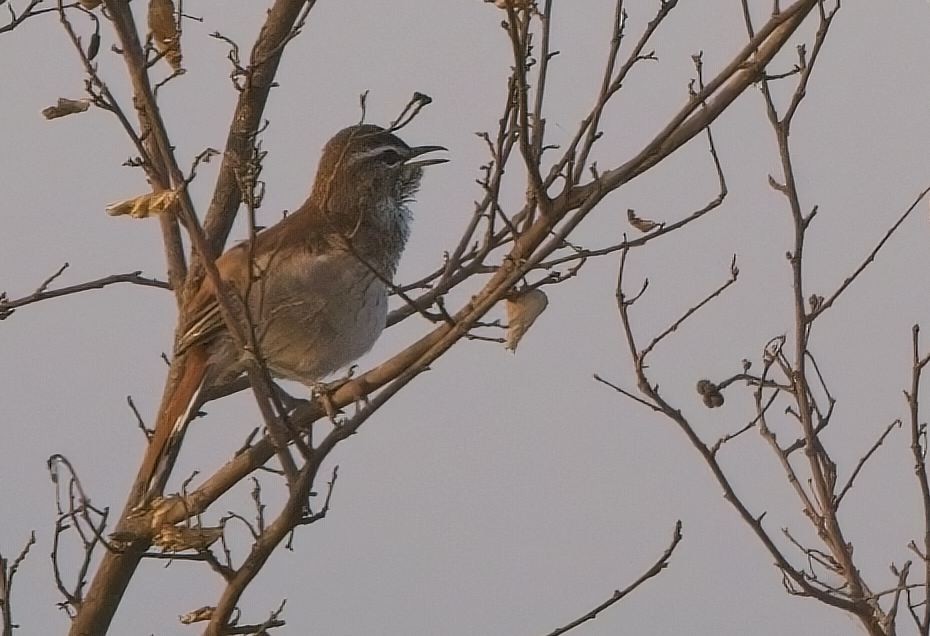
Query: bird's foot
{"points": [[323, 391]]}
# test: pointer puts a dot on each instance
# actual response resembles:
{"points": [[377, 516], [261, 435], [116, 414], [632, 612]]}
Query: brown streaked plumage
{"points": [[317, 298]]}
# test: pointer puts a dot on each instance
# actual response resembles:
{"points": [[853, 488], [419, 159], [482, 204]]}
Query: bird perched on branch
{"points": [[314, 286]]}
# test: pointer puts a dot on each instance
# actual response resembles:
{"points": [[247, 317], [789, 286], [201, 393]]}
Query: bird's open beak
{"points": [[422, 150]]}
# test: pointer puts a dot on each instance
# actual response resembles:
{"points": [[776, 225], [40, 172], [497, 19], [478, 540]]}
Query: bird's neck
{"points": [[376, 231], [383, 232]]}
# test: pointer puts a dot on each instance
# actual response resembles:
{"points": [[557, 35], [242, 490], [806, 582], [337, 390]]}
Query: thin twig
{"points": [[734, 275], [8, 306], [861, 463], [657, 567], [828, 302], [7, 572]]}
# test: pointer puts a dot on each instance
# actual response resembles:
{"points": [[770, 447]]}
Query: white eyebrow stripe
{"points": [[377, 150]]}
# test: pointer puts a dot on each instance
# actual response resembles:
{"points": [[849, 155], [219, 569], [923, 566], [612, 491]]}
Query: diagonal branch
{"points": [[865, 458], [828, 302], [279, 29], [734, 274], [657, 567], [745, 69]]}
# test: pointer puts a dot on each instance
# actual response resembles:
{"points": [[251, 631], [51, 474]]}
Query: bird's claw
{"points": [[324, 391]]}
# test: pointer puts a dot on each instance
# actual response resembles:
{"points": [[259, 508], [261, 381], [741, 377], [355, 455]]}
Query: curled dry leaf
{"points": [[643, 225], [66, 107], [179, 538], [522, 311], [164, 31], [90, 5], [94, 46], [516, 4], [145, 205], [199, 615]]}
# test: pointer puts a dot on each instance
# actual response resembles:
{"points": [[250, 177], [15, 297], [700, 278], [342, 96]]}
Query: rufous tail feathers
{"points": [[173, 418]]}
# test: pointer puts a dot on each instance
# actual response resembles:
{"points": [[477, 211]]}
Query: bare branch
{"points": [[861, 463], [7, 572], [657, 567], [29, 11], [918, 434], [828, 302], [651, 393], [734, 274], [8, 306], [285, 18], [628, 394]]}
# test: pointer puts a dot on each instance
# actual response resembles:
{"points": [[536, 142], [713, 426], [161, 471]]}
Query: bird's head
{"points": [[368, 165]]}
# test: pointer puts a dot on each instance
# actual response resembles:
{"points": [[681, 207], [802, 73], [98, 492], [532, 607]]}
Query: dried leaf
{"points": [[522, 312], [643, 225], [164, 31], [516, 4], [199, 615], [145, 205], [66, 107], [179, 538], [90, 5], [94, 47]]}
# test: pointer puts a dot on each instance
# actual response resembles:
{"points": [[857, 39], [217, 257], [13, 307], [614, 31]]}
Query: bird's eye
{"points": [[391, 157]]}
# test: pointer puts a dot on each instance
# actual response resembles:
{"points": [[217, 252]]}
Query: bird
{"points": [[315, 284]]}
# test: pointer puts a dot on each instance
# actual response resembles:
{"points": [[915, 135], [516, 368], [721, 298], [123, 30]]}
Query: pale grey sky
{"points": [[499, 493]]}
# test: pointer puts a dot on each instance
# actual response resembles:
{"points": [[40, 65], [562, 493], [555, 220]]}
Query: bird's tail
{"points": [[177, 408]]}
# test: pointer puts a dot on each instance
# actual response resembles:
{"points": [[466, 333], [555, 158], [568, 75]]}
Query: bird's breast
{"points": [[319, 315]]}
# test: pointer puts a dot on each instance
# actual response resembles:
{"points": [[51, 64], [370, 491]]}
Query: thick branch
{"points": [[266, 55]]}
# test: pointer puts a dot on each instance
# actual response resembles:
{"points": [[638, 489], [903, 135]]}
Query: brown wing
{"points": [[202, 318]]}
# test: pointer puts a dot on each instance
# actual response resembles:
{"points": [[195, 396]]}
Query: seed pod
{"points": [[706, 386], [713, 400]]}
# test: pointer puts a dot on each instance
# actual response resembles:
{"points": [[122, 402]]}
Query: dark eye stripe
{"points": [[390, 156]]}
